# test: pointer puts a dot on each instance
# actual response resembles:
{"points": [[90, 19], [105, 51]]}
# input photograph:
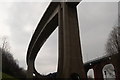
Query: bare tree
{"points": [[113, 47], [113, 43], [5, 44], [8, 64]]}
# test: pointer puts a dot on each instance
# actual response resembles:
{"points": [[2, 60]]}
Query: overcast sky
{"points": [[18, 21]]}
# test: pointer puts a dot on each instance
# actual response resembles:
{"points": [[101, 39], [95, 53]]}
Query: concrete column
{"points": [[30, 71], [98, 74], [70, 54], [116, 64], [61, 43], [86, 71], [117, 72]]}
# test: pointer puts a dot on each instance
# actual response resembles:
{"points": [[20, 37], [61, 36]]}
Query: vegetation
{"points": [[113, 43], [113, 47], [10, 69], [6, 77]]}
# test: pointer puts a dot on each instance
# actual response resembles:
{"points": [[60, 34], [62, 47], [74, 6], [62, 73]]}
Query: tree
{"points": [[113, 43], [113, 47], [9, 64]]}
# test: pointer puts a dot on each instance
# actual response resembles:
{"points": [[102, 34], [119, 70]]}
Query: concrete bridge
{"points": [[64, 16], [98, 64]]}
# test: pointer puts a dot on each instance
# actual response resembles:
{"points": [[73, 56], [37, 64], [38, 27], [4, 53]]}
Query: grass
{"points": [[7, 77]]}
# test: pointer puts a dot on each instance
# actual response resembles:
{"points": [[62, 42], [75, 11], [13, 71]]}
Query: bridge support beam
{"points": [[70, 54], [117, 72], [98, 74], [116, 64], [30, 70]]}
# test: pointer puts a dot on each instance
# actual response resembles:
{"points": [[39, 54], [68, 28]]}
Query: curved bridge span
{"points": [[63, 15]]}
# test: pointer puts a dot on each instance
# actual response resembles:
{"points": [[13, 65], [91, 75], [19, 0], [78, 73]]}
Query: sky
{"points": [[18, 21]]}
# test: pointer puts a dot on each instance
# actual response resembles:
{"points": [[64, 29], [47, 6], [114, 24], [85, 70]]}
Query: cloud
{"points": [[59, 0], [96, 22], [25, 0], [21, 21], [48, 55], [4, 29], [100, 0]]}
